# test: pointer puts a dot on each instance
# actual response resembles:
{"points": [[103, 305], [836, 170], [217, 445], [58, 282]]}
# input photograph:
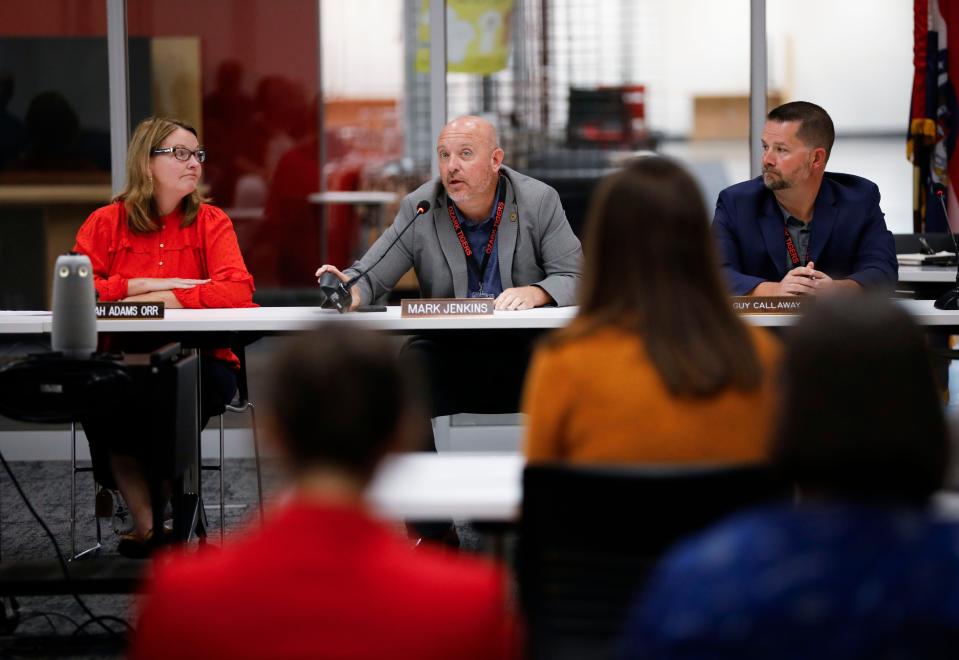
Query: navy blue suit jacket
{"points": [[849, 239]]}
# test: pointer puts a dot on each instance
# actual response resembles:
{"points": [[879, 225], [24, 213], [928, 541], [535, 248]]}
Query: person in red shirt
{"points": [[159, 241], [322, 578]]}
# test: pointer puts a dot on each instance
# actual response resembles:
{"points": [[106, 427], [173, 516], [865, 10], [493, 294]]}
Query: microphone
{"points": [[335, 294], [950, 299]]}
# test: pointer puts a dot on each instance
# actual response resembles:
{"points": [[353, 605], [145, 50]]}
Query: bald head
{"points": [[470, 159], [477, 128]]}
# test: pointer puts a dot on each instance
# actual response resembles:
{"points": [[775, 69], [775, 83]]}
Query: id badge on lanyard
{"points": [[793, 252]]}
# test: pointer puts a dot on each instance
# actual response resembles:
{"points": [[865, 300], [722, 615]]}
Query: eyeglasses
{"points": [[181, 153]]}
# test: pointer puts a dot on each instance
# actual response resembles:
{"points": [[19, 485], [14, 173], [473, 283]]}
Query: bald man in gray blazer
{"points": [[490, 232], [536, 260]]}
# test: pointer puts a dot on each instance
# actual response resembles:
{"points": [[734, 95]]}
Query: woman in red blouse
{"points": [[159, 241]]}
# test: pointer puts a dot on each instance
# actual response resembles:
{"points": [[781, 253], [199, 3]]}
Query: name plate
{"points": [[441, 307], [129, 310], [770, 304]]}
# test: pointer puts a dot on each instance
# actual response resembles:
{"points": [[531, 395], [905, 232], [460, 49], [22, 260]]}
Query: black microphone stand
{"points": [[950, 299]]}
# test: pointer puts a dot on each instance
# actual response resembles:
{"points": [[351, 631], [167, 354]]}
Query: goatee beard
{"points": [[774, 183]]}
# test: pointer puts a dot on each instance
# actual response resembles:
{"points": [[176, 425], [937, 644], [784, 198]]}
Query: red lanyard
{"points": [[480, 270], [793, 252]]}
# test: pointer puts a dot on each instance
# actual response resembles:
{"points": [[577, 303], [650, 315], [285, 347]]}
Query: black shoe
{"points": [[137, 546]]}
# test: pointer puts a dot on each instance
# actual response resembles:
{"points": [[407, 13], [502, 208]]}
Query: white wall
{"points": [[362, 48], [853, 57]]}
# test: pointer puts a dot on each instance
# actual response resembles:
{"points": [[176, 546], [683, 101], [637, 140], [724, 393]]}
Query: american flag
{"points": [[932, 118]]}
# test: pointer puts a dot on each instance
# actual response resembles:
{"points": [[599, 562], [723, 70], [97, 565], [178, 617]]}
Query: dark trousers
{"points": [[122, 431], [471, 372]]}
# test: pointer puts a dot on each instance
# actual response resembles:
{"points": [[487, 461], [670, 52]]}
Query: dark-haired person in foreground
{"points": [[861, 567], [656, 367], [322, 578], [797, 229]]}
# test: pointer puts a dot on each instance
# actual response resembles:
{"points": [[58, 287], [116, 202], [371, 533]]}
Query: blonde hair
{"points": [[137, 195]]}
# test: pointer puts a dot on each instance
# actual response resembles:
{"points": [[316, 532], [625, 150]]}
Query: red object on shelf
{"points": [[634, 99], [608, 116]]}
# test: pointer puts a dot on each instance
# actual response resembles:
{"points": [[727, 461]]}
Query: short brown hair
{"points": [[339, 397], [650, 266], [137, 195], [815, 125], [862, 415]]}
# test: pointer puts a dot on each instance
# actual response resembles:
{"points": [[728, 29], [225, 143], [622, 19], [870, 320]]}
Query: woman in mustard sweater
{"points": [[656, 368]]}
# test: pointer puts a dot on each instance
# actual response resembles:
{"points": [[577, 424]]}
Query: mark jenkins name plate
{"points": [[445, 307]]}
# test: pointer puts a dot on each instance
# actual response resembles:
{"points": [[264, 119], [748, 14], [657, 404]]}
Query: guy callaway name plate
{"points": [[770, 304], [128, 310], [439, 307]]}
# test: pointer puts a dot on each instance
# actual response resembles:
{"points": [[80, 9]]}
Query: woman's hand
{"points": [[139, 285], [169, 300]]}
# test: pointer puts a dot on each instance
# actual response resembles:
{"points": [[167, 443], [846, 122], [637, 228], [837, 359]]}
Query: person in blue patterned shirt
{"points": [[861, 565]]}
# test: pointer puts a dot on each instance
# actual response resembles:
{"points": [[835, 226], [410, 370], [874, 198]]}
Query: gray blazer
{"points": [[535, 245]]}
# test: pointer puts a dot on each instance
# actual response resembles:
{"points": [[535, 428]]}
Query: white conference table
{"points": [[23, 323], [927, 274], [280, 320], [283, 320], [483, 487], [425, 486]]}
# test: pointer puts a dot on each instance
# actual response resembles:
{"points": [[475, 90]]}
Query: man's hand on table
{"points": [[354, 292], [805, 281], [521, 297]]}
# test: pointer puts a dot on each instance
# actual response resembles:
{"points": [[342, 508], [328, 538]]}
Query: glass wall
{"points": [[364, 82], [302, 97], [245, 74], [856, 62], [54, 137]]}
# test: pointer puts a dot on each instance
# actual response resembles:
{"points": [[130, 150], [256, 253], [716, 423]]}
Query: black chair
{"points": [[590, 535]]}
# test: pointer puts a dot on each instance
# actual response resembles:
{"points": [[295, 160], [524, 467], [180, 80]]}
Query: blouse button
{"points": [[161, 263], [161, 244]]}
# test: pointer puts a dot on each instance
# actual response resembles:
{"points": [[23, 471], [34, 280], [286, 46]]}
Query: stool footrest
{"points": [[89, 576]]}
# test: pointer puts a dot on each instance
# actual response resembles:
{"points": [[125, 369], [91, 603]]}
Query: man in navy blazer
{"points": [[797, 229]]}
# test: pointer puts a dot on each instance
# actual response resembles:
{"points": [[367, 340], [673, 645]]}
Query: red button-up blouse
{"points": [[206, 249]]}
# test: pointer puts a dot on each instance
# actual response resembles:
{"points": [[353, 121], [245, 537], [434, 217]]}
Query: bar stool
{"points": [[240, 404]]}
